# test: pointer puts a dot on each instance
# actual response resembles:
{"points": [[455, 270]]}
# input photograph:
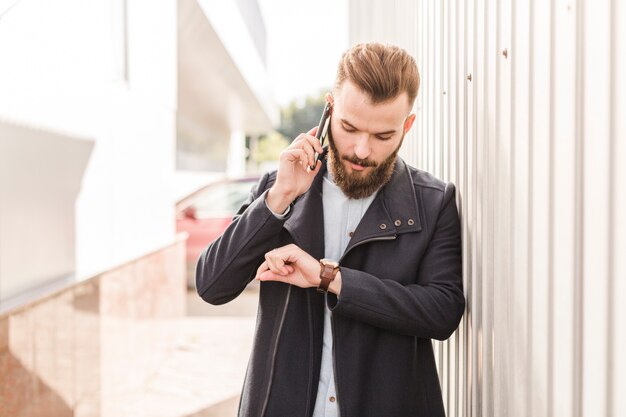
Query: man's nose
{"points": [[362, 146]]}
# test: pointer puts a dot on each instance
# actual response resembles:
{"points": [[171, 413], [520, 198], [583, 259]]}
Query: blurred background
{"points": [[130, 132]]}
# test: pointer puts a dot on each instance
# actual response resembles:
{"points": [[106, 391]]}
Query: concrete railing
{"points": [[78, 351]]}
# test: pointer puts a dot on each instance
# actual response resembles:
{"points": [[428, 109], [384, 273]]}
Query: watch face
{"points": [[329, 262]]}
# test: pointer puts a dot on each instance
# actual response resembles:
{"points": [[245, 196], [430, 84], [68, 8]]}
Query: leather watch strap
{"points": [[328, 271]]}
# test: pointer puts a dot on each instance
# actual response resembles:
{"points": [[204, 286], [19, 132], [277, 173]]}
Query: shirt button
{"points": [[332, 399], [350, 234]]}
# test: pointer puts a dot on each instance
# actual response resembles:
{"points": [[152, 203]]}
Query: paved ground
{"points": [[202, 373]]}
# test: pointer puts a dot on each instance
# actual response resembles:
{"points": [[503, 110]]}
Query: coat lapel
{"points": [[393, 211]]}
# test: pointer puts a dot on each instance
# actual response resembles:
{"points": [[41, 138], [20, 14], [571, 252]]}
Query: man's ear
{"points": [[409, 122]]}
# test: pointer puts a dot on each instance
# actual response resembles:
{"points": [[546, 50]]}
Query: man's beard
{"points": [[355, 185]]}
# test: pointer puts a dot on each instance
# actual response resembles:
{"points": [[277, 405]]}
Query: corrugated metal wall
{"points": [[522, 106]]}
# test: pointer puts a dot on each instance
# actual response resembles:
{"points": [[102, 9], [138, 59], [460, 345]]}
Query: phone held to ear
{"points": [[322, 131]]}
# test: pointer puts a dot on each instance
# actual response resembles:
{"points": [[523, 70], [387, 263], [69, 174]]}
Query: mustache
{"points": [[363, 162]]}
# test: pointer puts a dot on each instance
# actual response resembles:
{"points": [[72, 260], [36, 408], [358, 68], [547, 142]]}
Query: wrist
{"points": [[335, 285], [278, 201]]}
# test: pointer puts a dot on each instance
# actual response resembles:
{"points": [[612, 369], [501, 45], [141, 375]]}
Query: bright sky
{"points": [[305, 39]]}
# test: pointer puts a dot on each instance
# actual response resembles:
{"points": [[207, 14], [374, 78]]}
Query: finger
{"points": [[310, 151], [269, 259], [269, 276], [301, 136], [297, 140], [317, 148], [261, 269], [314, 142], [296, 155], [308, 144], [308, 137], [281, 263], [275, 262], [293, 155], [318, 165]]}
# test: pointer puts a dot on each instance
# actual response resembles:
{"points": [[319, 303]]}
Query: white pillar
{"points": [[236, 165]]}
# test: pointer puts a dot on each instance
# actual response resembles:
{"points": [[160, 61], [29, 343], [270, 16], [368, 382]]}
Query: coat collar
{"points": [[394, 211]]}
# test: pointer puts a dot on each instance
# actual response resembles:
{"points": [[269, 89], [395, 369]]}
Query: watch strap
{"points": [[327, 275]]}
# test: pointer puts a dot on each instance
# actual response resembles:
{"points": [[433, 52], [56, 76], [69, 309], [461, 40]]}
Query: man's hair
{"points": [[381, 71]]}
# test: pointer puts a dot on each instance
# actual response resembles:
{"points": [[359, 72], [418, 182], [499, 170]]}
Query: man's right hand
{"points": [[294, 176]]}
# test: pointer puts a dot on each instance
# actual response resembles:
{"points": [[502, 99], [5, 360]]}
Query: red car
{"points": [[204, 215]]}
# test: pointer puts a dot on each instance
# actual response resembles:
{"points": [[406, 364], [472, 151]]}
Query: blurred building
{"points": [[100, 103], [223, 88], [522, 106], [103, 104]]}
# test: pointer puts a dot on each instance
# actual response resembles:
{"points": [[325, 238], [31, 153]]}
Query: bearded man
{"points": [[359, 259]]}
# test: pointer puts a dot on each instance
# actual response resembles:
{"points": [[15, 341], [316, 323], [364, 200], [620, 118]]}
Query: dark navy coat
{"points": [[401, 287]]}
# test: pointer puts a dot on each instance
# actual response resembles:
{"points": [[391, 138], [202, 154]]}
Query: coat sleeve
{"points": [[431, 309], [228, 264]]}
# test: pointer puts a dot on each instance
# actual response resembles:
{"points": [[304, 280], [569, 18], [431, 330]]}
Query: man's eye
{"points": [[383, 137], [347, 129]]}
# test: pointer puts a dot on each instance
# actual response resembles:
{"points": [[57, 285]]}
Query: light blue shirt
{"points": [[341, 218]]}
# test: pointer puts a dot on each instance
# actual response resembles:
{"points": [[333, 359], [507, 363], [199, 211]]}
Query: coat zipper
{"points": [[311, 347], [332, 321], [273, 362], [338, 398]]}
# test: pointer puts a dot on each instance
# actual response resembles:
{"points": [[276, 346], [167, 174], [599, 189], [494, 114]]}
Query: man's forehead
{"points": [[356, 107]]}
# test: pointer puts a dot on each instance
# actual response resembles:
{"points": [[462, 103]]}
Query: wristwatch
{"points": [[328, 271]]}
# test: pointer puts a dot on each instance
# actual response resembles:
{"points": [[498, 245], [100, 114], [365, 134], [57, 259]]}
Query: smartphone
{"points": [[322, 131]]}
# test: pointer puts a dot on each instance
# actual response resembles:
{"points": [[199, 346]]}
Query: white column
{"points": [[236, 165]]}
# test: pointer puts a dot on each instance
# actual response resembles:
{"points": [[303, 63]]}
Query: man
{"points": [[359, 260]]}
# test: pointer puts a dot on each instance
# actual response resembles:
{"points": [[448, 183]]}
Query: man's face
{"points": [[364, 139]]}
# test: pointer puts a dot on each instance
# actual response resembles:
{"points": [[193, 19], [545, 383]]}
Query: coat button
{"points": [[383, 226], [397, 222], [411, 222]]}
